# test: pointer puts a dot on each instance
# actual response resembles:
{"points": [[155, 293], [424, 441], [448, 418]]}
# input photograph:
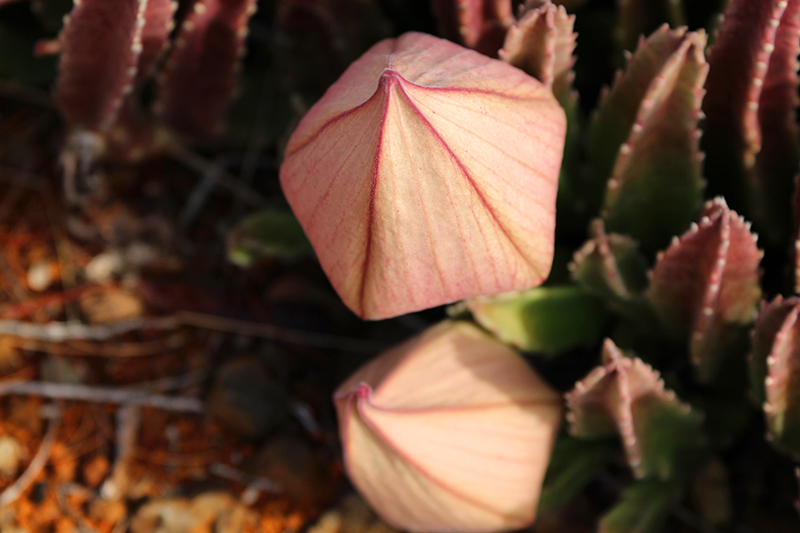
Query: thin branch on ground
{"points": [[76, 331], [12, 493], [88, 393]]}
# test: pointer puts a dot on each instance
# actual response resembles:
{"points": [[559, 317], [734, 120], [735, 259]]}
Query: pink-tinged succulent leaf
{"points": [[796, 233], [547, 320], [641, 17], [776, 354], [477, 24], [705, 286], [101, 45], [610, 266], [655, 190], [750, 134], [644, 507], [542, 43], [316, 40], [626, 397], [422, 425], [407, 186], [199, 77], [158, 23], [619, 106], [771, 319]]}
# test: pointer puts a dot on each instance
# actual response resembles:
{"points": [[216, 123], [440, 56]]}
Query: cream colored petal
{"points": [[401, 494], [457, 364]]}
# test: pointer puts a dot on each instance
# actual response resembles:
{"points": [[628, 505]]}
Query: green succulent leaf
{"points": [[267, 234], [573, 464], [655, 190], [751, 135], [662, 436], [705, 286], [611, 267], [644, 507], [620, 106], [547, 320]]}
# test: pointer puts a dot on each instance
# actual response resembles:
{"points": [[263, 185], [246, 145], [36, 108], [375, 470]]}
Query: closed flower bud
{"points": [[427, 174], [451, 431]]}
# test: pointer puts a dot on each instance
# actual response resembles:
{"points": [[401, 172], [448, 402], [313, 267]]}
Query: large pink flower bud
{"points": [[427, 174], [450, 431]]}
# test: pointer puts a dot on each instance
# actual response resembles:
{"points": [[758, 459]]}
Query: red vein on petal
{"points": [[371, 211], [423, 471]]}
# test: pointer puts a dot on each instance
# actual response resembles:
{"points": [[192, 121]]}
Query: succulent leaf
{"points": [[775, 370], [268, 233], [612, 268], [158, 23], [199, 77], [705, 286], [625, 396], [101, 46], [619, 108], [609, 266], [771, 318], [655, 190], [545, 319], [542, 43], [477, 24], [573, 464], [751, 137], [644, 507]]}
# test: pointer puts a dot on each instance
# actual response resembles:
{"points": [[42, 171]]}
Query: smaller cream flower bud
{"points": [[450, 431]]}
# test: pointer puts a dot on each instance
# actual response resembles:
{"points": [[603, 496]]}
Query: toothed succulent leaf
{"points": [[705, 286], [199, 77], [751, 136], [100, 49], [771, 319], [545, 319], [626, 397], [775, 370], [643, 509], [477, 24], [655, 190], [158, 23], [618, 116], [541, 43], [610, 266]]}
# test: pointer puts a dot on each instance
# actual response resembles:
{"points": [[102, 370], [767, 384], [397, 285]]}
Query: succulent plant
{"points": [[429, 174]]}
